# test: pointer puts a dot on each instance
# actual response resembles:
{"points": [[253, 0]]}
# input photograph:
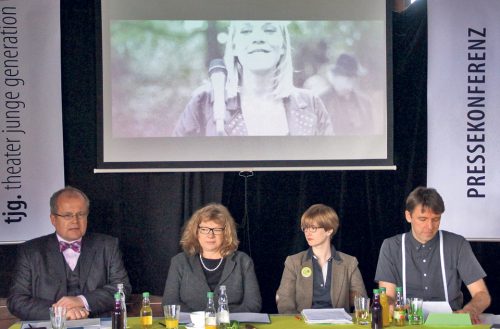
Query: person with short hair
{"points": [[210, 259], [321, 276], [350, 110], [260, 98], [428, 252], [69, 268]]}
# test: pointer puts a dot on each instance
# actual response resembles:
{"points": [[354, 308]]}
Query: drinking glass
{"points": [[362, 310], [171, 313], [415, 312], [58, 317]]}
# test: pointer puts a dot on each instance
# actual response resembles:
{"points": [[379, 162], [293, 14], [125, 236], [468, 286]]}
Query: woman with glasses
{"points": [[210, 259], [321, 276]]}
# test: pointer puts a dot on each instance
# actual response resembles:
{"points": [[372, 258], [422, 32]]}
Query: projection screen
{"points": [[295, 85]]}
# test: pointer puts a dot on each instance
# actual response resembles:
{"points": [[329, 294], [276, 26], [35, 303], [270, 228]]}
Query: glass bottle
{"points": [[376, 311], [117, 315], [385, 307], [399, 308], [223, 321], [146, 312], [123, 305], [210, 315]]}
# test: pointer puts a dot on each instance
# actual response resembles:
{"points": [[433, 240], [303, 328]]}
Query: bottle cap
{"points": [[117, 296], [382, 289], [119, 285], [210, 294], [222, 288], [399, 289], [145, 294], [376, 291]]}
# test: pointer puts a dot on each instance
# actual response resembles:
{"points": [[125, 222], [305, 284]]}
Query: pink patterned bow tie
{"points": [[75, 246]]}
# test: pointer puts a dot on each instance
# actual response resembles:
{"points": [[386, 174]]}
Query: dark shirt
{"points": [[423, 267], [351, 114], [321, 289], [213, 277]]}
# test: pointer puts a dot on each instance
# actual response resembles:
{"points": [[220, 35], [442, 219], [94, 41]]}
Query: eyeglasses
{"points": [[68, 217], [311, 229], [208, 230]]}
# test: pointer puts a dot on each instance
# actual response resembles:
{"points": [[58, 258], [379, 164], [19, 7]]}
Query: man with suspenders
{"points": [[430, 263]]}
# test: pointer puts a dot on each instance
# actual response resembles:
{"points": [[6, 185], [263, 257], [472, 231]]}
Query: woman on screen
{"points": [[209, 260], [258, 95], [321, 276]]}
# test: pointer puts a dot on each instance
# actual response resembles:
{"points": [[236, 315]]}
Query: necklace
{"points": [[210, 269]]}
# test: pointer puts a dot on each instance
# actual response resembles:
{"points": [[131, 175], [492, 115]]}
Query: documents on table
{"points": [[435, 307], [250, 317], [326, 315], [84, 323]]}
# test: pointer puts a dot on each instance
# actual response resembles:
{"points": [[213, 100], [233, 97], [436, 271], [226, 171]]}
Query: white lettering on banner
{"points": [[31, 141], [13, 106], [476, 137]]}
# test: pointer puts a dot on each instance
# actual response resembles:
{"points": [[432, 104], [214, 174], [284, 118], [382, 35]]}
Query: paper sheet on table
{"points": [[447, 319], [250, 317], [435, 307], [84, 323], [326, 315]]}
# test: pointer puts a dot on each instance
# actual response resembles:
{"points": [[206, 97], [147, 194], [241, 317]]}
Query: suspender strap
{"points": [[403, 253], [441, 252]]}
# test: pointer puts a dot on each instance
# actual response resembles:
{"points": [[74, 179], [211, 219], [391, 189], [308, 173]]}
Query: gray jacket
{"points": [[187, 286]]}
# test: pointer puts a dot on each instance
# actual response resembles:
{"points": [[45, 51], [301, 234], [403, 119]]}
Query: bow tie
{"points": [[75, 246]]}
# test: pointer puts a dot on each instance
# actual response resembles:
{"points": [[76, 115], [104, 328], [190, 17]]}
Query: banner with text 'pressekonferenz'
{"points": [[464, 114], [31, 148]]}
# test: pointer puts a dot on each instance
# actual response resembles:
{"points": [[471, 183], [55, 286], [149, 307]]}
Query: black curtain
{"points": [[147, 210]]}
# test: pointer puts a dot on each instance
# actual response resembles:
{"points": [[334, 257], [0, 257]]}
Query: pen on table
{"points": [[163, 324]]}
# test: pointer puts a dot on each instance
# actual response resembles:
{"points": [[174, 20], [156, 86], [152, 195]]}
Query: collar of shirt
{"points": [[334, 254], [59, 239], [418, 246]]}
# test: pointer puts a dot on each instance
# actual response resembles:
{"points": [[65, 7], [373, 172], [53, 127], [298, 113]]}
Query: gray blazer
{"points": [[40, 276], [186, 283], [296, 290]]}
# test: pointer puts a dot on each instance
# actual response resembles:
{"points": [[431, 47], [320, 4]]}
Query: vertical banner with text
{"points": [[31, 157], [464, 114]]}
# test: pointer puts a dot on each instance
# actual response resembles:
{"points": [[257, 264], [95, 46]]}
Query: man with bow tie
{"points": [[67, 268]]}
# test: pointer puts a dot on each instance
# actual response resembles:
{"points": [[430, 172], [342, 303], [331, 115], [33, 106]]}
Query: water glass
{"points": [[171, 313], [58, 317], [362, 310], [415, 311]]}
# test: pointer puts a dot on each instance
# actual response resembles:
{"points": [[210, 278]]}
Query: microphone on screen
{"points": [[217, 73]]}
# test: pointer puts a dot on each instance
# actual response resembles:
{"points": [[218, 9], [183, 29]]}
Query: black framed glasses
{"points": [[69, 216], [311, 229], [214, 230]]}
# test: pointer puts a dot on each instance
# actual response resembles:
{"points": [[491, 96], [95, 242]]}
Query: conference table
{"points": [[289, 322]]}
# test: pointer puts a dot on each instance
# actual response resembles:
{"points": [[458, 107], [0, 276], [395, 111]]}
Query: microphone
{"points": [[218, 73]]}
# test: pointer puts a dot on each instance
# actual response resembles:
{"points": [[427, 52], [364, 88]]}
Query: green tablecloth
{"points": [[290, 322]]}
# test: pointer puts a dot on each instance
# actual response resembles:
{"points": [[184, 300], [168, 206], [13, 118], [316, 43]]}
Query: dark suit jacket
{"points": [[40, 276], [295, 292], [186, 283]]}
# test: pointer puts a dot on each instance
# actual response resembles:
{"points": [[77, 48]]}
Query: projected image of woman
{"points": [[259, 96]]}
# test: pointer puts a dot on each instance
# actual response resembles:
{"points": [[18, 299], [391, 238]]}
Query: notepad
{"points": [[326, 315], [447, 319]]}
